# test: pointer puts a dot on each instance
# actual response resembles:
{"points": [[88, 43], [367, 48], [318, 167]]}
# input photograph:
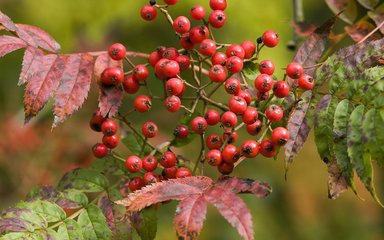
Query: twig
{"points": [[372, 32]]}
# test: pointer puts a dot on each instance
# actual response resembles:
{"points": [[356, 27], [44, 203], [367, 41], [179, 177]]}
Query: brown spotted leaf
{"points": [[358, 31], [378, 16], [7, 22], [347, 7], [337, 183], [9, 44], [30, 65], [37, 37], [74, 86], [303, 29], [245, 185]]}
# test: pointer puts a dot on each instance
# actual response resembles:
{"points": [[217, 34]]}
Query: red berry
{"points": [[274, 113], [99, 150], [111, 141], [96, 120], [294, 70], [232, 86], [117, 51], [148, 12], [133, 164], [135, 184], [280, 136], [213, 157], [235, 50], [161, 50], [171, 2], [249, 148], [225, 168], [172, 103], [263, 82], [249, 48], [150, 163], [246, 95], [181, 24], [109, 127], [250, 115], [130, 84], [207, 47], [214, 141], [306, 82], [159, 68], [183, 172], [281, 89], [217, 73], [154, 57], [170, 53], [229, 119], [218, 4], [171, 68], [234, 64], [233, 136], [181, 131], [262, 96], [212, 117], [254, 128], [150, 177], [237, 104], [140, 72], [186, 43], [230, 154], [267, 67], [217, 18], [174, 86], [184, 62], [169, 173], [142, 103], [219, 58], [198, 125], [112, 76], [149, 129], [168, 159], [270, 38], [197, 12], [198, 34], [267, 149]]}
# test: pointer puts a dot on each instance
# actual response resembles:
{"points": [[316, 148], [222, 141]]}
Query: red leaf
{"points": [[233, 209], [37, 37], [7, 22], [190, 216], [378, 16], [337, 182], [30, 65], [358, 31], [245, 185], [304, 29], [43, 83], [9, 44], [347, 7], [74, 86]]}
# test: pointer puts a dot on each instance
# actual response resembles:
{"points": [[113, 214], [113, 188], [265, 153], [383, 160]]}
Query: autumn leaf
{"points": [[7, 22], [347, 7], [358, 31], [378, 16], [9, 44], [245, 185], [303, 29], [337, 182], [35, 36], [30, 65]]}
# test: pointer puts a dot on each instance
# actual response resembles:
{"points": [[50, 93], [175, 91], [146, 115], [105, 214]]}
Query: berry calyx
{"points": [[294, 70], [109, 127], [117, 51], [142, 103], [133, 164], [100, 150], [198, 125], [214, 141], [279, 136], [274, 113], [249, 148], [267, 149], [172, 103], [149, 129], [148, 12], [306, 82], [232, 86], [270, 38]]}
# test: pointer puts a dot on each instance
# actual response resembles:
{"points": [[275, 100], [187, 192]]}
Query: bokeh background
{"points": [[33, 154]]}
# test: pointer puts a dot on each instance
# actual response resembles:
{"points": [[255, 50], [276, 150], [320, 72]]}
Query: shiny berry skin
{"points": [[267, 149], [294, 70], [281, 89], [262, 96], [230, 154], [249, 148], [168, 159], [96, 120], [111, 141], [234, 64], [159, 68], [249, 48], [148, 13], [267, 67], [170, 53], [228, 119], [250, 115], [135, 184], [274, 113], [172, 103], [150, 177], [270, 38], [197, 12], [117, 51], [246, 95], [198, 34], [149, 129], [198, 125], [149, 163], [232, 86], [279, 136], [142, 103], [133, 164], [169, 173], [207, 47], [161, 50], [100, 150], [212, 117], [237, 104], [186, 43], [214, 141], [183, 172], [181, 131], [217, 73], [112, 76], [219, 58], [306, 82], [233, 136], [217, 18], [213, 157], [254, 128], [218, 4], [225, 168], [174, 86], [154, 57], [171, 2], [109, 127], [130, 84], [171, 68], [140, 72], [181, 24], [263, 82], [184, 62], [235, 50]]}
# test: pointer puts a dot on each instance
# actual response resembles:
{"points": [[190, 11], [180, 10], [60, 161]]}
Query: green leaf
{"points": [[109, 165], [373, 90], [370, 4], [145, 223], [251, 70], [93, 225], [31, 219], [134, 144], [72, 198], [39, 235], [371, 124], [70, 230], [86, 180], [51, 212]]}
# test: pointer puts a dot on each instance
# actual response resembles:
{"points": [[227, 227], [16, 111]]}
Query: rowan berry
{"points": [[249, 149], [142, 103], [117, 51], [213, 157], [274, 113], [148, 12], [172, 103], [149, 129], [100, 150], [279, 136], [198, 125], [133, 164], [270, 38]]}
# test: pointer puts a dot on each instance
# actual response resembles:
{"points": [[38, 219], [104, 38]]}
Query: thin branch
{"points": [[372, 32]]}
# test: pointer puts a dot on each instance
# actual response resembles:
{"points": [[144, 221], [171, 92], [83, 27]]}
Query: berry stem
{"points": [[200, 159], [129, 62], [143, 146], [214, 103]]}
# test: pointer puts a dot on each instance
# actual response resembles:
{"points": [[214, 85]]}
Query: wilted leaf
{"points": [[9, 44], [40, 38], [145, 223], [70, 230], [362, 28], [72, 199], [245, 185], [86, 180], [49, 211], [337, 183], [93, 224], [304, 29], [32, 220], [30, 65], [378, 16], [13, 224], [370, 4], [348, 7]]}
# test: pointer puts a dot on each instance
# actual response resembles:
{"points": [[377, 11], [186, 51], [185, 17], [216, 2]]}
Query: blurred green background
{"points": [[32, 154]]}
